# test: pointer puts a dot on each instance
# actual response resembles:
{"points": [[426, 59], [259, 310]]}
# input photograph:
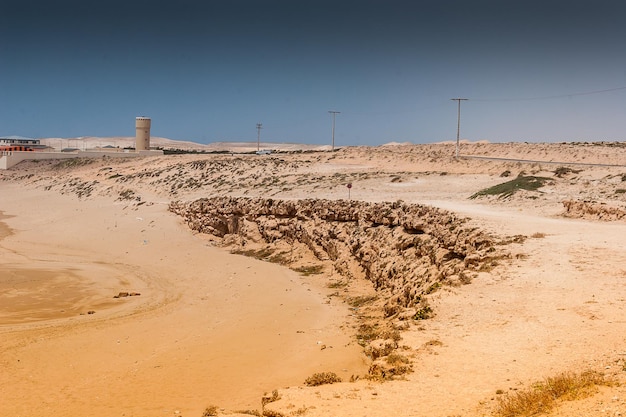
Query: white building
{"points": [[21, 141]]}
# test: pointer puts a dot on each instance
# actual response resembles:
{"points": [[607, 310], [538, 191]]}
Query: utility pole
{"points": [[458, 123], [334, 113], [259, 126]]}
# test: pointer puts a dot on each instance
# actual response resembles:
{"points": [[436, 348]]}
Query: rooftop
{"points": [[15, 137]]}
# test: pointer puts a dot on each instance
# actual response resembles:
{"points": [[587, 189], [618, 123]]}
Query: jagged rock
{"points": [[407, 314], [403, 249], [593, 210], [123, 294]]}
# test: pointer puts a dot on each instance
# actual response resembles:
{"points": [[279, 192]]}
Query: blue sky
{"points": [[208, 71]]}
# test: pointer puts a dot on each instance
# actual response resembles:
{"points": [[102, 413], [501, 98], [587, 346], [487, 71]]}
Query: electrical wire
{"points": [[586, 93]]}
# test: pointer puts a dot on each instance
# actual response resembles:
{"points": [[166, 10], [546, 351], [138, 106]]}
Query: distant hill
{"points": [[129, 141]]}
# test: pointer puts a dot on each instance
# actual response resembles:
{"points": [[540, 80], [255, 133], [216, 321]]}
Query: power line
{"points": [[586, 93], [388, 113]]}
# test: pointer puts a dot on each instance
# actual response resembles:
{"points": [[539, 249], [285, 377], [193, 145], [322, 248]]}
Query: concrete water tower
{"points": [[142, 133]]}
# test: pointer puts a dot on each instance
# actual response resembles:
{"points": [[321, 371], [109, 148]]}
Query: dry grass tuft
{"points": [[261, 254], [322, 378], [541, 397], [310, 270], [210, 411], [337, 284], [361, 300]]}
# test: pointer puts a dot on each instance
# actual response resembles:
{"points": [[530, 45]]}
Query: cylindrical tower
{"points": [[142, 133]]}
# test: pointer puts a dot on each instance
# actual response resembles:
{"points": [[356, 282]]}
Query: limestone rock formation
{"points": [[406, 250], [593, 210]]}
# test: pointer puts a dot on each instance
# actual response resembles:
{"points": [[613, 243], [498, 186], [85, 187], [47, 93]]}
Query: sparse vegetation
{"points": [[322, 378], [390, 367], [261, 254], [434, 287], [366, 333], [192, 151], [560, 172], [73, 162], [337, 284], [310, 270], [399, 365], [542, 396], [391, 334], [280, 258], [397, 359], [210, 411], [507, 189], [434, 342], [538, 235], [127, 194], [423, 313], [361, 300]]}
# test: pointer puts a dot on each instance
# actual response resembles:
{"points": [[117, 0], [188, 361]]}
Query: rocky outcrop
{"points": [[593, 210], [405, 250]]}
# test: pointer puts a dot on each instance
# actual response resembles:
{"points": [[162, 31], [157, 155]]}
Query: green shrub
{"points": [[423, 313], [507, 189]]}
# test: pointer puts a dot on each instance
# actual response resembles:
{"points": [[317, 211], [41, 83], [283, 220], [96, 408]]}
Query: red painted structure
{"points": [[16, 148]]}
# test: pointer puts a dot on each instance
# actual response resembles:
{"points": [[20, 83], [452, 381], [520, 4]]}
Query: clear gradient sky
{"points": [[209, 70]]}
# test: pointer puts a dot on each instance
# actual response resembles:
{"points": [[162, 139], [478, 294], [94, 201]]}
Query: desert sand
{"points": [[207, 327]]}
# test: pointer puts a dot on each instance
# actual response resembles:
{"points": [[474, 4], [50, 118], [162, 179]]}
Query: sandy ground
{"points": [[214, 328], [208, 327]]}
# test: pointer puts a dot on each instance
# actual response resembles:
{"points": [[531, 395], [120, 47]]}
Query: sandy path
{"points": [[208, 328], [560, 308]]}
